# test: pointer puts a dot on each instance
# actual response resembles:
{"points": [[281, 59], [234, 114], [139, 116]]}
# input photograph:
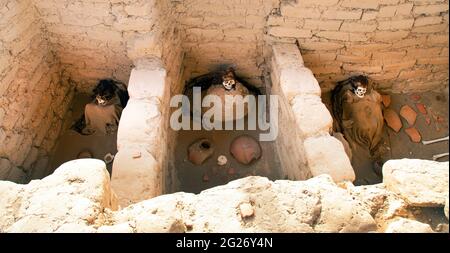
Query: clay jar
{"points": [[199, 151], [245, 149], [221, 92]]}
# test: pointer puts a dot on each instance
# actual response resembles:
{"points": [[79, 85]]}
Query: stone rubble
{"points": [[420, 182], [403, 225], [78, 198]]}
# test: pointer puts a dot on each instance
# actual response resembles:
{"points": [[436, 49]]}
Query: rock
{"points": [[200, 151], [118, 228], [446, 207], [380, 202], [413, 134], [421, 108], [125, 172], [246, 210], [78, 198], [428, 120], [402, 225], [337, 205], [386, 99], [245, 149], [74, 198], [326, 155], [222, 160], [315, 205], [421, 183], [392, 119], [311, 116], [75, 228], [409, 114]]}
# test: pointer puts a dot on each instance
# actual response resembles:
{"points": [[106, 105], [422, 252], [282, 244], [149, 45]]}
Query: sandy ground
{"points": [[399, 145], [71, 143], [191, 177]]}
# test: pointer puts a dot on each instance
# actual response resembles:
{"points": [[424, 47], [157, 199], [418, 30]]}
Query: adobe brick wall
{"points": [[33, 99], [401, 44]]}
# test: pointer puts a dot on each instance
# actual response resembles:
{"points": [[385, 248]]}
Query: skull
{"points": [[228, 84], [100, 101], [360, 91]]}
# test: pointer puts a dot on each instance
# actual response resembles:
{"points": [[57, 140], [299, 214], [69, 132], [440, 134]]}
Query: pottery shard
{"points": [[199, 151], [421, 108], [245, 149], [409, 114], [386, 100], [413, 134], [415, 97], [392, 119]]}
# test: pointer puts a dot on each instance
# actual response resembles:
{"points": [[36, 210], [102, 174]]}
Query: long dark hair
{"points": [[114, 88]]}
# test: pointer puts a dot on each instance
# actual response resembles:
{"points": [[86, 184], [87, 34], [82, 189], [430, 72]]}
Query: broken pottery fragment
{"points": [[386, 99], [409, 114], [392, 119], [200, 150], [245, 149], [421, 108], [231, 171], [413, 134], [415, 97]]}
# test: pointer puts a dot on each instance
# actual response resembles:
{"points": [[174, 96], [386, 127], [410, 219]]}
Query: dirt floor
{"points": [[71, 143], [399, 145], [196, 178]]}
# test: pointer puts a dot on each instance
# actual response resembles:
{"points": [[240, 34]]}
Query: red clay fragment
{"points": [[409, 114], [205, 177], [422, 108], [231, 171], [415, 97], [413, 134], [392, 119], [386, 100]]}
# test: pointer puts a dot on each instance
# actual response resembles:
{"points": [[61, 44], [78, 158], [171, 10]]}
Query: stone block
{"points": [[136, 176], [326, 155], [311, 115], [147, 83], [420, 182]]}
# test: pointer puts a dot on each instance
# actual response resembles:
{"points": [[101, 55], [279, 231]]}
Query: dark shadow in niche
{"points": [[84, 140]]}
